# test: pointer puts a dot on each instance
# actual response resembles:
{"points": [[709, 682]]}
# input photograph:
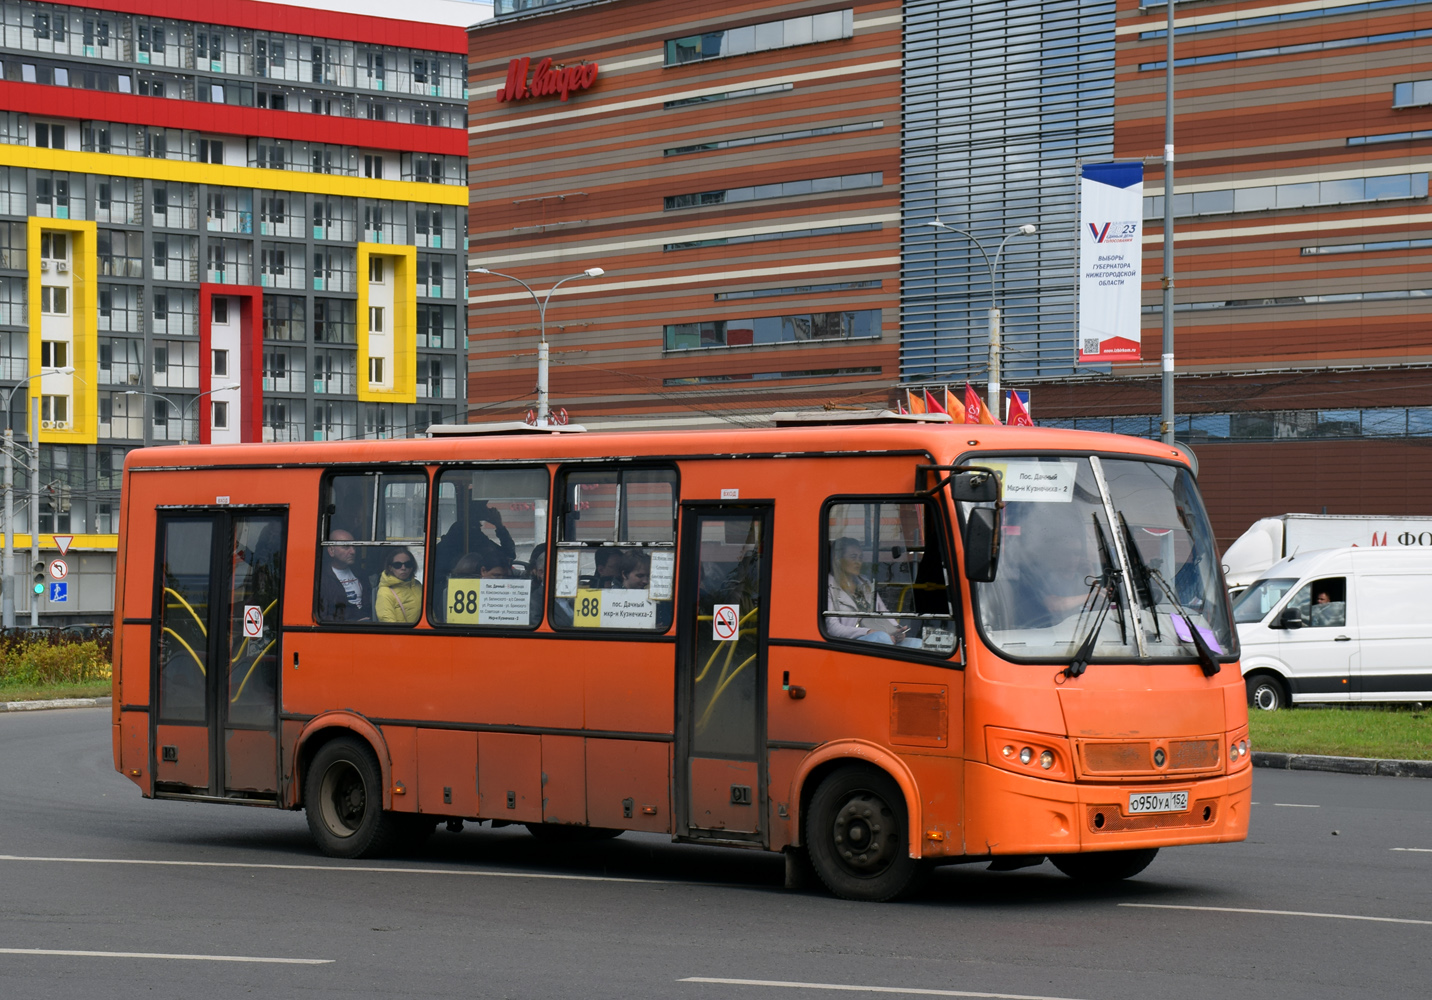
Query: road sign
{"points": [[62, 542], [59, 569], [725, 619], [253, 621], [59, 592]]}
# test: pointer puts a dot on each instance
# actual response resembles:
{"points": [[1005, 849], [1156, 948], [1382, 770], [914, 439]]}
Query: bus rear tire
{"points": [[1104, 866], [857, 835], [343, 798], [1266, 693], [561, 833]]}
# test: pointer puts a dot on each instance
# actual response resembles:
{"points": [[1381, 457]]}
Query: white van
{"points": [[1339, 625]]}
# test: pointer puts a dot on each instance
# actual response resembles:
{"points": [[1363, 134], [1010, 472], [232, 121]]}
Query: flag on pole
{"points": [[1018, 415], [916, 400], [975, 410], [932, 405]]}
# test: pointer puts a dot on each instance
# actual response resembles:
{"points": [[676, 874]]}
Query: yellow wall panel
{"points": [[403, 260], [84, 344]]}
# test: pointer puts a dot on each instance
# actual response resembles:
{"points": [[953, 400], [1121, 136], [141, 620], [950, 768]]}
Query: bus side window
{"points": [[372, 539], [888, 579], [490, 557], [615, 561]]}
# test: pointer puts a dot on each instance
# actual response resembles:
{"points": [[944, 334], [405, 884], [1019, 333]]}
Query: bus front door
{"points": [[721, 669], [214, 710]]}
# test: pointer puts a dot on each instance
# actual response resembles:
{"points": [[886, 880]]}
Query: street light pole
{"points": [[7, 568], [183, 413], [543, 356], [1028, 229]]}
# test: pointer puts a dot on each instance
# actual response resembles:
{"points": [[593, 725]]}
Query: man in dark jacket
{"points": [[340, 591]]}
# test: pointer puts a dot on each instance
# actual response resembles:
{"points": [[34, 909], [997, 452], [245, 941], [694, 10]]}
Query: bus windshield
{"points": [[1114, 552]]}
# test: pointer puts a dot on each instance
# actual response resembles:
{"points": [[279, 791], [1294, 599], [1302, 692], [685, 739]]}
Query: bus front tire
{"points": [[857, 835], [1104, 866], [1266, 693], [343, 798]]}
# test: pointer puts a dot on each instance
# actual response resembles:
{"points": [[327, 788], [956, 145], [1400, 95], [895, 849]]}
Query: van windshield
{"points": [[1116, 549], [1254, 603]]}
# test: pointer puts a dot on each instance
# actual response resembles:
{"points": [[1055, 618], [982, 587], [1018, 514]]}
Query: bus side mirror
{"points": [[982, 544], [1291, 618], [975, 487]]}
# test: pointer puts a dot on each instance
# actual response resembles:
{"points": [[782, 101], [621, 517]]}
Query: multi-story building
{"points": [[734, 168], [246, 227]]}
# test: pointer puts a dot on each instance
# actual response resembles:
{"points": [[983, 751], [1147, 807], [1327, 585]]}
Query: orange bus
{"points": [[874, 643]]}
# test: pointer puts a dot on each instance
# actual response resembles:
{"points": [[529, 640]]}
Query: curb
{"points": [[34, 706], [1343, 765]]}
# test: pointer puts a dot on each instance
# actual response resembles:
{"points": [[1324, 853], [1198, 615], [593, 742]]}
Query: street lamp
{"points": [[183, 413], [1027, 229], [542, 355], [7, 602]]}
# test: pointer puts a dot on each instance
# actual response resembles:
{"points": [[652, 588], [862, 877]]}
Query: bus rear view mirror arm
{"points": [[982, 544], [968, 483]]}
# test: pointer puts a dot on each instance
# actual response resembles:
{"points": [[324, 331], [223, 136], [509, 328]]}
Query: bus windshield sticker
{"points": [[489, 602], [613, 608], [568, 566], [1039, 482], [663, 571]]}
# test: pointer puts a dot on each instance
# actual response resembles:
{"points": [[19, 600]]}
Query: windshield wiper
{"points": [[1143, 574], [1104, 584], [1207, 659]]}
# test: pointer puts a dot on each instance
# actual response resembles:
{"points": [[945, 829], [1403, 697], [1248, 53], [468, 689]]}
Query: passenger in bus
{"points": [[400, 595], [848, 590], [340, 592], [452, 547], [636, 570], [537, 573], [608, 571], [485, 565]]}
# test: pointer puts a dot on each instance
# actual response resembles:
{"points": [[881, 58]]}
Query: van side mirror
{"points": [[977, 486], [1291, 618], [982, 544]]}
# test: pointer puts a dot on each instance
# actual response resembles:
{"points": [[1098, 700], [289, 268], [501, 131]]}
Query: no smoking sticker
{"points": [[253, 621], [725, 621]]}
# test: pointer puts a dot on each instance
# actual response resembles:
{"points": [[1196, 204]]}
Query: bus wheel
{"points": [[1104, 866], [343, 797], [563, 833], [1266, 692], [856, 833]]}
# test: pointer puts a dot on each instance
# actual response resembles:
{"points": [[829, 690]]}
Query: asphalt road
{"points": [[1330, 897]]}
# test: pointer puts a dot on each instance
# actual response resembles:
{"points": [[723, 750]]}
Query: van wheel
{"points": [[856, 831], [1266, 693], [343, 797], [1104, 866]]}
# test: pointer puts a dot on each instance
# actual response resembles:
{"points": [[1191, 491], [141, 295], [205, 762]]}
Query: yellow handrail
{"points": [[197, 620], [720, 689], [250, 673], [181, 642]]}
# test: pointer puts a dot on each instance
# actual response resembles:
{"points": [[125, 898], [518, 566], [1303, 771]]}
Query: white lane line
{"points": [[343, 868], [1296, 805], [1279, 913], [846, 988], [66, 953], [1415, 850]]}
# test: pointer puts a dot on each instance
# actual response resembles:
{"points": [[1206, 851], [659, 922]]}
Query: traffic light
{"points": [[39, 578]]}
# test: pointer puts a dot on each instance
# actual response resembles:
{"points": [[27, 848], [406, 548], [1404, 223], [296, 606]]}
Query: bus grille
{"points": [[1136, 757]]}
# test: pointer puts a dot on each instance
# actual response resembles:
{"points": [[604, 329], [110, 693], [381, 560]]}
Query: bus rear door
{"points": [[721, 669], [216, 652]]}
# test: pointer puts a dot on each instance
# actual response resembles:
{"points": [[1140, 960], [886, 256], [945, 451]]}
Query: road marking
{"points": [[1415, 850], [345, 868], [1295, 805], [1279, 913], [845, 988], [65, 953]]}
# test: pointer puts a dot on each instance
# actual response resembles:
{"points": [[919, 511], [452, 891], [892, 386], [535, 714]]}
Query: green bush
{"points": [[38, 661]]}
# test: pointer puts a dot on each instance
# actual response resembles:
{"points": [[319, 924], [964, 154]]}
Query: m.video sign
{"points": [[545, 79]]}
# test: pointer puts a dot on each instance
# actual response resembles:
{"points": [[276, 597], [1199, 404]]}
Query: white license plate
{"points": [[1158, 802]]}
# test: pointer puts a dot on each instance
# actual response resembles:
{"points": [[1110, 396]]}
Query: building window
{"points": [[211, 151], [54, 246], [219, 310], [54, 300], [221, 363], [773, 330], [49, 136], [375, 319], [1304, 194], [55, 408], [221, 415], [375, 371], [372, 166], [161, 360], [54, 353], [762, 37], [780, 189], [375, 269]]}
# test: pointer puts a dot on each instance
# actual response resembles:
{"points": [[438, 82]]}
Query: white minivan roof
{"points": [[1355, 558]]}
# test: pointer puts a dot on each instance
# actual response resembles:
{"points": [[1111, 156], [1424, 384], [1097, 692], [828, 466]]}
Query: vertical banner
{"points": [[1110, 261]]}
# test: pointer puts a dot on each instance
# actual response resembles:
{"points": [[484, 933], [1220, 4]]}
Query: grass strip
{"points": [[1403, 733], [46, 692]]}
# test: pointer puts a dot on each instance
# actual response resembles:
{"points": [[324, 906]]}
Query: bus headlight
{"points": [[1046, 760], [1026, 755]]}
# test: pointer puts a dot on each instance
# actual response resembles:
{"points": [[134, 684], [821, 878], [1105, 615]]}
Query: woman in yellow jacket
{"points": [[400, 595]]}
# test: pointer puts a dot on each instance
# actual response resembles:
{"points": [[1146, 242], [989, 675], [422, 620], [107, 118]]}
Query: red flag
{"points": [[932, 405], [973, 406], [1018, 415]]}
